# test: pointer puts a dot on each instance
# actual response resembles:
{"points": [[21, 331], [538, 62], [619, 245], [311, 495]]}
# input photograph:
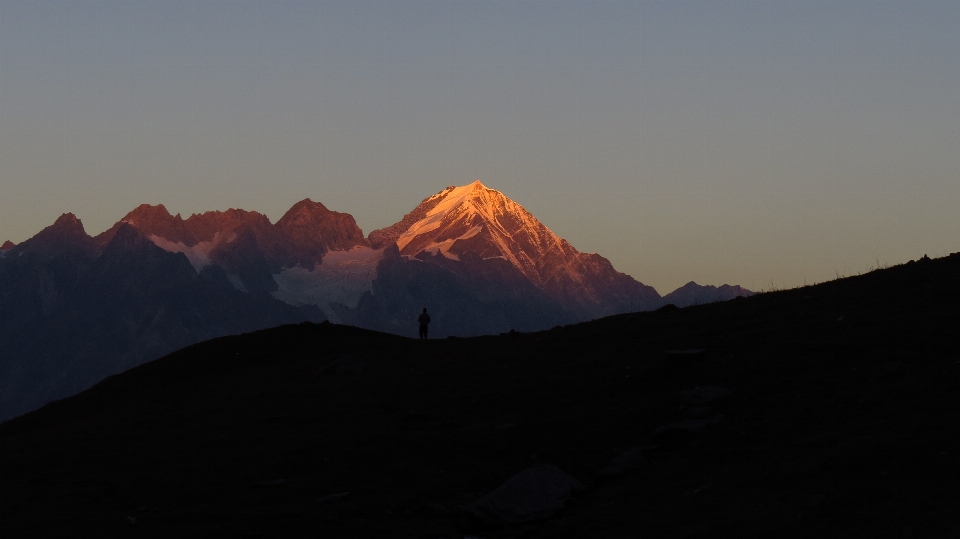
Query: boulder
{"points": [[622, 464], [536, 493], [704, 394], [344, 363], [687, 425]]}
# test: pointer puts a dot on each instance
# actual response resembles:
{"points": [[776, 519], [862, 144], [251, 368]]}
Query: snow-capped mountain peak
{"points": [[482, 222], [478, 219]]}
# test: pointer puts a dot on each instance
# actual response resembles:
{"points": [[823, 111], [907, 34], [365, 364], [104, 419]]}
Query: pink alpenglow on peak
{"points": [[481, 221]]}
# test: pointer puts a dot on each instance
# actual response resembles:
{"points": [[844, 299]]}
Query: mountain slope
{"points": [[840, 422], [479, 220], [309, 230], [65, 237]]}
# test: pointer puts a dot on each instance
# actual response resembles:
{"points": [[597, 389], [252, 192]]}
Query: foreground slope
{"points": [[841, 420]]}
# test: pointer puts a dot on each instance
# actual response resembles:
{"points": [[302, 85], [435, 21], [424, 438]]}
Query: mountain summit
{"points": [[482, 221]]}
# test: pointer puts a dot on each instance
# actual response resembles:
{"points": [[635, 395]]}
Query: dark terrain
{"points": [[843, 420]]}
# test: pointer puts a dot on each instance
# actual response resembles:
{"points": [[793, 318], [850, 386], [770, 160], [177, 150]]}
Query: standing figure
{"points": [[424, 322]]}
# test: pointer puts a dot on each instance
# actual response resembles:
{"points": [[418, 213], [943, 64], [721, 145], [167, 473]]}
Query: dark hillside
{"points": [[842, 419]]}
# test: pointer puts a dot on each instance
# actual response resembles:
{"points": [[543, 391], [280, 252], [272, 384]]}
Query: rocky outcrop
{"points": [[309, 230], [65, 237], [536, 493]]}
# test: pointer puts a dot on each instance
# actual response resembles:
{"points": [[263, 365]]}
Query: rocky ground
{"points": [[826, 410]]}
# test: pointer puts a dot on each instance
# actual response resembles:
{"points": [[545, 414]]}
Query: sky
{"points": [[769, 143]]}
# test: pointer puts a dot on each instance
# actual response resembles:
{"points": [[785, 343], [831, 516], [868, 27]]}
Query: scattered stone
{"points": [[695, 411], [693, 353], [333, 498], [704, 394], [894, 367], [536, 493], [688, 425], [273, 482], [438, 509], [343, 364], [700, 490], [622, 464]]}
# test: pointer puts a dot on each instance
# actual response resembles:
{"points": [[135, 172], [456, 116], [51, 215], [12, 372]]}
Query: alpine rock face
{"points": [[77, 308], [474, 219]]}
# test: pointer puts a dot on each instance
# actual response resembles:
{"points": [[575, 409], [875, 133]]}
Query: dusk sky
{"points": [[755, 143]]}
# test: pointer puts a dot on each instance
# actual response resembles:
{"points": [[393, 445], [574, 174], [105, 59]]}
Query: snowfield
{"points": [[342, 277]]}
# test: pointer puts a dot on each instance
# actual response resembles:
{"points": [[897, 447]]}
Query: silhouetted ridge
{"points": [[65, 236], [827, 407]]}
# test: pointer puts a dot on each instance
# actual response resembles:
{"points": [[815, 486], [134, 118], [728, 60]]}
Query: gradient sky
{"points": [[764, 143]]}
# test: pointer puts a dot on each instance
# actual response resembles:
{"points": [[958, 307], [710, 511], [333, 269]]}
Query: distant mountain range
{"points": [[78, 308]]}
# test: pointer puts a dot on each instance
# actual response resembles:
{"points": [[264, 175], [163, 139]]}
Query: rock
{"points": [[688, 425], [622, 464], [342, 364], [536, 493], [695, 411], [894, 367], [273, 483], [331, 498], [704, 394], [438, 508], [693, 353]]}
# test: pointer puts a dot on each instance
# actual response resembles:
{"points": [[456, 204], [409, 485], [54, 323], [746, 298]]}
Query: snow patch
{"points": [[432, 221], [341, 277], [519, 237], [199, 254], [444, 246], [236, 282]]}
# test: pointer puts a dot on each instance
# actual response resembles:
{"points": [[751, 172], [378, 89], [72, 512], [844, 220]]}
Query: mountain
{"points": [[76, 308], [827, 407], [73, 314], [695, 294], [65, 237], [482, 221], [309, 230], [245, 243]]}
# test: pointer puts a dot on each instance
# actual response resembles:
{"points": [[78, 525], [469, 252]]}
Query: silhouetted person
{"points": [[424, 322]]}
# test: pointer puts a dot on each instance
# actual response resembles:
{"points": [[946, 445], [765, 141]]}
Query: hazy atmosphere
{"points": [[761, 143]]}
